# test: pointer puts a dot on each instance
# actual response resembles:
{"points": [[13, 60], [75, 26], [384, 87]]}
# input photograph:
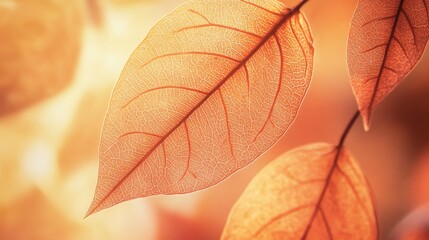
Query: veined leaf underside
{"points": [[183, 124], [387, 38]]}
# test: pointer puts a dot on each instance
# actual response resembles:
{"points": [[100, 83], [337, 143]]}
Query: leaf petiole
{"points": [[331, 172], [347, 130]]}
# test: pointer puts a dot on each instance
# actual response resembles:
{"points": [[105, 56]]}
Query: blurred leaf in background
{"points": [[39, 49], [414, 226]]}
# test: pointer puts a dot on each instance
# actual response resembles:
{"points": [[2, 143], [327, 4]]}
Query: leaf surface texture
{"points": [[387, 39], [213, 86], [304, 194]]}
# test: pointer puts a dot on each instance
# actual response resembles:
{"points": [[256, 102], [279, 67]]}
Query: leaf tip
{"points": [[93, 208], [90, 211], [366, 124], [366, 118]]}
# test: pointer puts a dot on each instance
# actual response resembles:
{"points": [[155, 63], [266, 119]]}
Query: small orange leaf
{"points": [[305, 195], [387, 39], [39, 49], [213, 86]]}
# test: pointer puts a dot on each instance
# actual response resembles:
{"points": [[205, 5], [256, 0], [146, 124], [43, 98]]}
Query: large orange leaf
{"points": [[39, 49], [306, 194], [387, 38], [214, 85]]}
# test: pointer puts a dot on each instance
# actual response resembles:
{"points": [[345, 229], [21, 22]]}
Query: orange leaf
{"points": [[212, 87], [387, 39], [39, 49], [305, 195]]}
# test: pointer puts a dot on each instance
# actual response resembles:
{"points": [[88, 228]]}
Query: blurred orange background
{"points": [[49, 150]]}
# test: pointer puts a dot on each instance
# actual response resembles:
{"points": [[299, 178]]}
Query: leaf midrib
{"points": [[270, 33], [386, 53]]}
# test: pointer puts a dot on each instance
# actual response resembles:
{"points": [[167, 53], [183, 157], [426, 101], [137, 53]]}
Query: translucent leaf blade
{"points": [[297, 196], [212, 87], [387, 39]]}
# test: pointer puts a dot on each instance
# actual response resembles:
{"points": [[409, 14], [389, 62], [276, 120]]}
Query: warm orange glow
{"points": [[39, 163], [49, 150]]}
